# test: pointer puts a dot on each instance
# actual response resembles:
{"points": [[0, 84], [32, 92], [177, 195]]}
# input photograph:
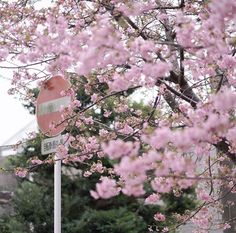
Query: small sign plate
{"points": [[49, 145]]}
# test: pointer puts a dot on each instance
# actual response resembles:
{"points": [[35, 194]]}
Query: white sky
{"points": [[13, 116]]}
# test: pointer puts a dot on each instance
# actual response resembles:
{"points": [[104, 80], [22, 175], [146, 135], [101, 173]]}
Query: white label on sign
{"points": [[54, 105], [49, 145]]}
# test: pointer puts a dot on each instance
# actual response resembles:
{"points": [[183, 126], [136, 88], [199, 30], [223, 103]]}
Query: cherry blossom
{"points": [[159, 217], [162, 75], [106, 189]]}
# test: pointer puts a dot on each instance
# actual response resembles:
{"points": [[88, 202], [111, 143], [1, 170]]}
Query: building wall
{"points": [[8, 184]]}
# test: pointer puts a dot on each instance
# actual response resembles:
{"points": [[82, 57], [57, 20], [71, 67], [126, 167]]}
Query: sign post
{"points": [[57, 196], [48, 105]]}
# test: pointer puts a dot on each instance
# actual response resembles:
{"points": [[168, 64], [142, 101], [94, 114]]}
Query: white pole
{"points": [[57, 196]]}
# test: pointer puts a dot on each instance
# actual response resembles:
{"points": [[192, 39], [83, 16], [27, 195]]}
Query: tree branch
{"points": [[224, 147], [182, 96], [181, 5]]}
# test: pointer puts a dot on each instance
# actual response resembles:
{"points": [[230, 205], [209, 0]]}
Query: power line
{"points": [[16, 145], [19, 131]]}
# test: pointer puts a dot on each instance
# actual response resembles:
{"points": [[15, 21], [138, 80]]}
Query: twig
{"points": [[27, 65]]}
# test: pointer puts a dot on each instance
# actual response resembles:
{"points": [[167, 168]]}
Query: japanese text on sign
{"points": [[49, 145]]}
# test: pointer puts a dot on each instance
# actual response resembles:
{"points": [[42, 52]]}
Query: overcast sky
{"points": [[13, 116]]}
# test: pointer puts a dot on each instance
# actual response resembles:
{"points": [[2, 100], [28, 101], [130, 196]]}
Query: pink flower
{"points": [[119, 83], [126, 130], [162, 185], [77, 103], [88, 120], [159, 217], [106, 189], [160, 137], [226, 226], [3, 54], [87, 173], [203, 195], [203, 218], [152, 199], [132, 171], [97, 167], [118, 148], [94, 194], [133, 190], [103, 132], [227, 62], [36, 161], [94, 97], [62, 152], [165, 229], [21, 172], [106, 113]]}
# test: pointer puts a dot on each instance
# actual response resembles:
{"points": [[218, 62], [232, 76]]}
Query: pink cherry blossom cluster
{"points": [[181, 53], [106, 189]]}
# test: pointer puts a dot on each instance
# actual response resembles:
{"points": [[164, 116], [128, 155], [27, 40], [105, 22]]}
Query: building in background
{"points": [[9, 146], [8, 181]]}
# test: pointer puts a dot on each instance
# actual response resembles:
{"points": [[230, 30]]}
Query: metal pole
{"points": [[57, 196]]}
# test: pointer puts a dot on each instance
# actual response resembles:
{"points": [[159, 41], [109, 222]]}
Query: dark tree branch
{"points": [[181, 5], [210, 174], [181, 52], [171, 101], [184, 87], [223, 146], [28, 65], [182, 96], [154, 108], [220, 83]]}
